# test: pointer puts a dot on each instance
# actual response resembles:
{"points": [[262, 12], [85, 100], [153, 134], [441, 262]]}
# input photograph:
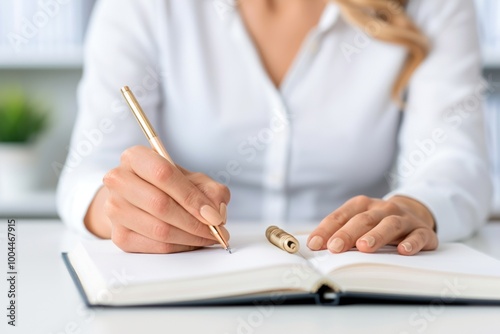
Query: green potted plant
{"points": [[21, 122]]}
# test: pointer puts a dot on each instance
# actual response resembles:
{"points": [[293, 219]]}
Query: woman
{"points": [[361, 114]]}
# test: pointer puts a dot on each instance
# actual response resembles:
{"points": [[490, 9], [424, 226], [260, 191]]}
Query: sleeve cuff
{"points": [[442, 205], [73, 205]]}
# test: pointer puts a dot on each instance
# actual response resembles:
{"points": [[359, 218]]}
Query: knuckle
{"points": [[161, 231], [366, 219], [361, 200], [163, 172], [223, 190], [126, 156], [197, 176], [130, 154], [421, 235], [390, 207], [112, 178], [395, 223], [217, 192], [137, 149], [191, 199], [208, 189], [160, 205], [338, 218]]}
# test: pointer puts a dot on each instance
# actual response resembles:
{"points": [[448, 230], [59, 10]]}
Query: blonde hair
{"points": [[386, 20]]}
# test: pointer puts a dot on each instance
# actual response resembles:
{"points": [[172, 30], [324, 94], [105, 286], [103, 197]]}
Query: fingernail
{"points": [[336, 245], [407, 246], [223, 212], [316, 243], [211, 215], [370, 241]]}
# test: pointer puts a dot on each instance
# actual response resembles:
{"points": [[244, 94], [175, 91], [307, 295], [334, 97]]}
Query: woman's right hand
{"points": [[154, 207]]}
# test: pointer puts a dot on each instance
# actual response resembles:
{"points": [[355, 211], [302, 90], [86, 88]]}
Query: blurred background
{"points": [[41, 65]]}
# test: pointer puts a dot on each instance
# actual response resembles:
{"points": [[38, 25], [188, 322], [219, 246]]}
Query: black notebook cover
{"points": [[324, 296]]}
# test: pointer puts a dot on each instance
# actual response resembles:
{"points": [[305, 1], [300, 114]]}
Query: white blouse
{"points": [[297, 152]]}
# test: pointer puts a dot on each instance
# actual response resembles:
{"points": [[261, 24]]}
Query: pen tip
{"points": [[229, 250]]}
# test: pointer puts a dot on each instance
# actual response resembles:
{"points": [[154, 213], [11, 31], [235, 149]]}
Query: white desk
{"points": [[50, 304], [41, 204]]}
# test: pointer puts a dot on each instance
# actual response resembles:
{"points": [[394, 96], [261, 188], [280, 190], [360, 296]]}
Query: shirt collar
{"points": [[227, 9], [329, 17]]}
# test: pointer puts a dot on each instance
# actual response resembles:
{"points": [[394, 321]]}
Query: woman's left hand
{"points": [[370, 223]]}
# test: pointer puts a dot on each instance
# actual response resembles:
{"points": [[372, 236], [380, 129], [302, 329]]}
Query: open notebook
{"points": [[258, 271]]}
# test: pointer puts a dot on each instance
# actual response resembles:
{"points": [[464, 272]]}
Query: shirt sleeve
{"points": [[442, 158], [119, 51]]}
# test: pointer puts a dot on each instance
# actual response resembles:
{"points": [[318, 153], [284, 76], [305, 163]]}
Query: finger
{"points": [[158, 171], [334, 221], [149, 198], [153, 228], [132, 242], [347, 236], [223, 212], [217, 192], [224, 232], [389, 229], [419, 239]]}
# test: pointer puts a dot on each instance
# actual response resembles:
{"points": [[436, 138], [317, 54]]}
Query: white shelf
{"points": [[73, 59], [67, 59], [40, 204], [491, 58]]}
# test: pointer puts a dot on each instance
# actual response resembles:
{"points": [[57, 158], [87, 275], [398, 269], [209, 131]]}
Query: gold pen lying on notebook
{"points": [[157, 145]]}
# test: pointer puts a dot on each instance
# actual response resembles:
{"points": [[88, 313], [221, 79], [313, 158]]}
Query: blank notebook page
{"points": [[449, 257], [142, 268]]}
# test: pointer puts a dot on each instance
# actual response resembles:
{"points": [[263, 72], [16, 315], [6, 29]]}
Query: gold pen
{"points": [[157, 145]]}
